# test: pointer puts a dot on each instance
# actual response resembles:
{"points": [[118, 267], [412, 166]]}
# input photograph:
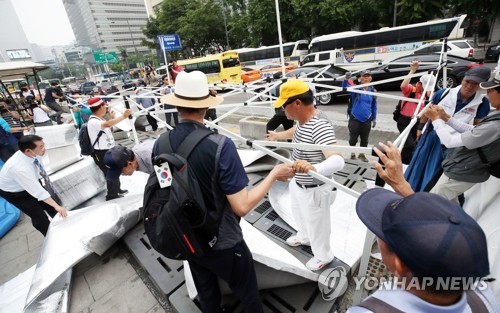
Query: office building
{"points": [[108, 25]]}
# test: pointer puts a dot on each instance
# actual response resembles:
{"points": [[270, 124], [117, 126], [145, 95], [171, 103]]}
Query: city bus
{"points": [[221, 67], [293, 52], [388, 42]]}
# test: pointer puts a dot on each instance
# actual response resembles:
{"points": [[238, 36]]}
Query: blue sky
{"points": [[44, 21]]}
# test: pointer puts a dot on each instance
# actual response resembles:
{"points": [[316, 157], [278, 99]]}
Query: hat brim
{"points": [[491, 84], [476, 79], [208, 102], [370, 208], [113, 173], [279, 103]]}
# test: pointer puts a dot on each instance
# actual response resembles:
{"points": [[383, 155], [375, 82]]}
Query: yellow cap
{"points": [[291, 88]]}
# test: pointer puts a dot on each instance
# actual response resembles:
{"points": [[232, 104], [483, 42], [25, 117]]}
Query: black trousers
{"points": [[359, 129], [279, 118], [411, 141], [30, 206], [56, 107], [235, 266], [152, 121], [113, 186]]}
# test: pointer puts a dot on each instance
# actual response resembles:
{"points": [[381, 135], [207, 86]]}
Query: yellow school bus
{"points": [[222, 67]]}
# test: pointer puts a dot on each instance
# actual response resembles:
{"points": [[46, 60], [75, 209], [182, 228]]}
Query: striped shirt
{"points": [[318, 130]]}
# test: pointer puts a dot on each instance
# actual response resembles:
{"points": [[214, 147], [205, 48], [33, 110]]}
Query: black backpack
{"points": [[86, 147], [176, 220]]}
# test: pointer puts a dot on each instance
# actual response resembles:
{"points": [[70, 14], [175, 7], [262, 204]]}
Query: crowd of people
{"points": [[421, 234]]}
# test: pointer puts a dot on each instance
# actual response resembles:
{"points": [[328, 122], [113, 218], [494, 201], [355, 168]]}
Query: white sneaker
{"points": [[315, 264], [294, 241]]}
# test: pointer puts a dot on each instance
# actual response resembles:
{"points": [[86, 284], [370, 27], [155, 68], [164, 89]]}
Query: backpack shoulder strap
{"points": [[99, 134], [184, 150], [191, 141], [445, 93], [475, 303], [376, 305]]}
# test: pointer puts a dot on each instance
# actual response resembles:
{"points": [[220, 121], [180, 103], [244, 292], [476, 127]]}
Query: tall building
{"points": [[152, 6], [14, 43], [108, 24]]}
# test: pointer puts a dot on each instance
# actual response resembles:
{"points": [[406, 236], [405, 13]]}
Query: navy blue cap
{"points": [[115, 160], [433, 236]]}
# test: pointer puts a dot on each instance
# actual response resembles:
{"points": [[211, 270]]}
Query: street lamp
{"points": [[225, 23], [132, 37]]}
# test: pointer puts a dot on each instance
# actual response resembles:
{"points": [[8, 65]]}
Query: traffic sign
{"points": [[105, 57], [170, 42]]}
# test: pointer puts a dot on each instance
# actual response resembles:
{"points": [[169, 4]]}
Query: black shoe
{"points": [[122, 192], [113, 197]]}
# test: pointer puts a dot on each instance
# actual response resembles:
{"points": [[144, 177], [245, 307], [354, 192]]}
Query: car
{"points": [[249, 74], [328, 77], [132, 83], [399, 67], [460, 48], [493, 52], [109, 87], [270, 69], [87, 87]]}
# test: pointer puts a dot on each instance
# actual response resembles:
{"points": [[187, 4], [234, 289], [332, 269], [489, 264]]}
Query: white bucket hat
{"points": [[425, 78], [191, 91]]}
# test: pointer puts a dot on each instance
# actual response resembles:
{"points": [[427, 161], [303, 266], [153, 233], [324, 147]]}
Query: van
{"points": [[323, 58]]}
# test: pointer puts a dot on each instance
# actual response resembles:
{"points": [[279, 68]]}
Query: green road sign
{"points": [[105, 57]]}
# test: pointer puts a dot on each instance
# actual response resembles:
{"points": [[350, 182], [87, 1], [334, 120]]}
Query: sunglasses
{"points": [[289, 101]]}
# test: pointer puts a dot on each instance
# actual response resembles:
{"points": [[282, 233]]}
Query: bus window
{"points": [[231, 62]]}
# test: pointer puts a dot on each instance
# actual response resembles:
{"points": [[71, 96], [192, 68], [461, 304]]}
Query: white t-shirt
{"points": [[106, 141], [39, 116]]}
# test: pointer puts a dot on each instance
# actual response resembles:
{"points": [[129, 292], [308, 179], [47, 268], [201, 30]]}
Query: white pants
{"points": [[450, 188], [311, 211]]}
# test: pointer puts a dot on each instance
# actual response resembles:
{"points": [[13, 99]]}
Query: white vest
{"points": [[467, 113]]}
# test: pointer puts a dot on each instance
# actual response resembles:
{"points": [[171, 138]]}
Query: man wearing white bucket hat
{"points": [[223, 182], [408, 108]]}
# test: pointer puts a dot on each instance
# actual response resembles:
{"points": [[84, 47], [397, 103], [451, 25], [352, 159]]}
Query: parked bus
{"points": [[222, 67], [388, 42], [293, 52]]}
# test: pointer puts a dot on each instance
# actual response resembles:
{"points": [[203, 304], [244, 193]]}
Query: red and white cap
{"points": [[95, 102]]}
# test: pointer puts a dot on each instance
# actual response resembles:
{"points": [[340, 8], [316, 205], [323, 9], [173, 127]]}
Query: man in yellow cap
{"points": [[310, 198]]}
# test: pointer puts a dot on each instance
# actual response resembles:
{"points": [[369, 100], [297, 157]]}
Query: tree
{"points": [[481, 15]]}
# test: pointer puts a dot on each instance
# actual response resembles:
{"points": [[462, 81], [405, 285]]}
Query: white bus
{"points": [[388, 42], [293, 52]]}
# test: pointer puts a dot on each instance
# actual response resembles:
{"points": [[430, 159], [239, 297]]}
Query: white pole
{"points": [[166, 61], [282, 58]]}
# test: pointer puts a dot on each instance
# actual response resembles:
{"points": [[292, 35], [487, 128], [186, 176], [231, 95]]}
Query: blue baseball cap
{"points": [[433, 236]]}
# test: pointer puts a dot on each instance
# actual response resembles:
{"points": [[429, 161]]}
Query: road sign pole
{"points": [[166, 61]]}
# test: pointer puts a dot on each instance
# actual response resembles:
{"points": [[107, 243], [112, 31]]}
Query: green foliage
{"points": [[252, 23]]}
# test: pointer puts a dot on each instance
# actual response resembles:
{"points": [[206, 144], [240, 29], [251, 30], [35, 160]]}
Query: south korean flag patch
{"points": [[164, 175]]}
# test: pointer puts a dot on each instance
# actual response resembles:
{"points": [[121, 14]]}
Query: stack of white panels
{"points": [[61, 144], [78, 182]]}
